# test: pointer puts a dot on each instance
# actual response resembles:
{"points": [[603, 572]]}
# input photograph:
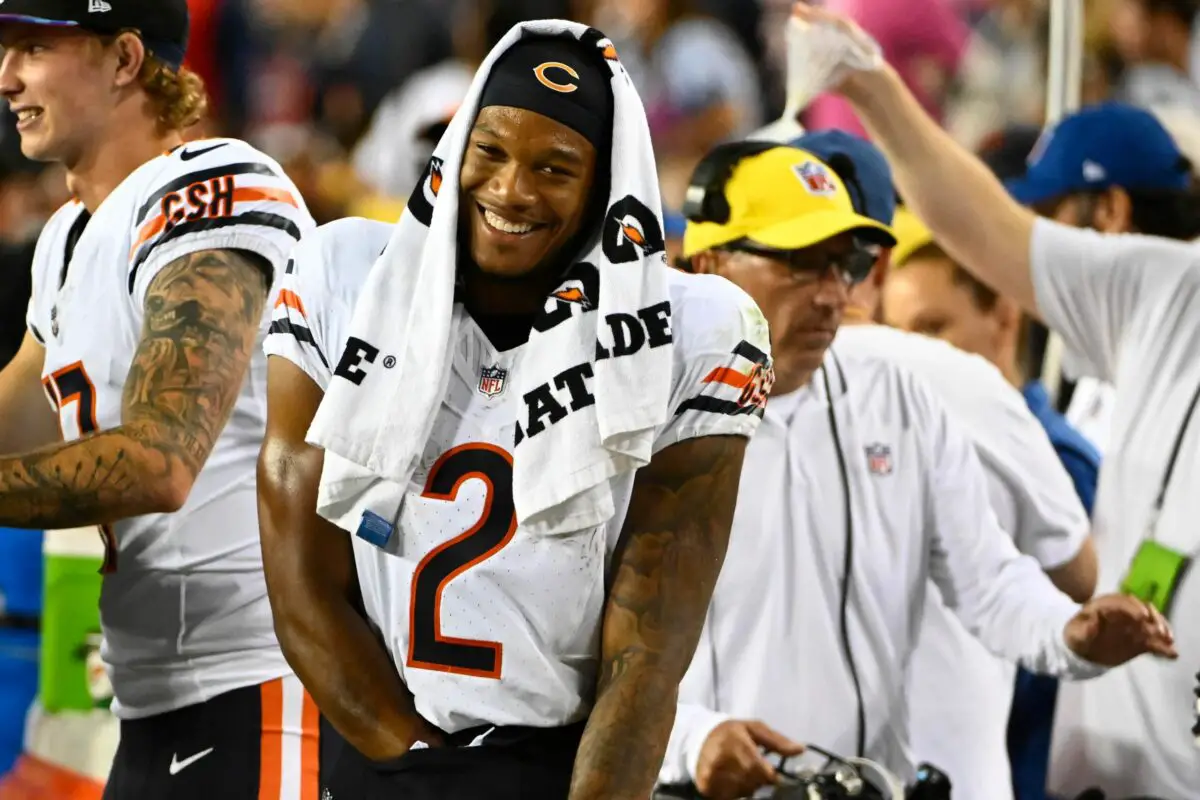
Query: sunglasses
{"points": [[851, 266]]}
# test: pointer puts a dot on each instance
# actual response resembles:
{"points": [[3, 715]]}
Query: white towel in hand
{"points": [[374, 424]]}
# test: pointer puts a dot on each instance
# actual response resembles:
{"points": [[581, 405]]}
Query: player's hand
{"points": [[426, 733], [1116, 628], [731, 761]]}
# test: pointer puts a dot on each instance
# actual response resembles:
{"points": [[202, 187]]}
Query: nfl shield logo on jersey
{"points": [[879, 459], [491, 380]]}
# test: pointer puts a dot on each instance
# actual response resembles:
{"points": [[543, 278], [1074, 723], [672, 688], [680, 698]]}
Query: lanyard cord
{"points": [[1170, 472]]}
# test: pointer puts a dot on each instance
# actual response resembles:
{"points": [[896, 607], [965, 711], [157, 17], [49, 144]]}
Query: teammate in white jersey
{"points": [[858, 489], [148, 310], [1129, 306], [597, 625]]}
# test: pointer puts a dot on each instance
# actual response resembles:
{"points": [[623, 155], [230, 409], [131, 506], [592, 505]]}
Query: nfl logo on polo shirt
{"points": [[879, 459], [491, 380]]}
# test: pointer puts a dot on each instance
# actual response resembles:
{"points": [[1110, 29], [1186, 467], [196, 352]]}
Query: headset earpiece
{"points": [[705, 199]]}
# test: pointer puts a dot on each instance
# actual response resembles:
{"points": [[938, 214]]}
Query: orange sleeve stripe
{"points": [[729, 377], [292, 300], [151, 229], [250, 194]]}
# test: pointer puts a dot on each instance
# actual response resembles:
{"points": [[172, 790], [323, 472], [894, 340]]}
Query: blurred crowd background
{"points": [[350, 96]]}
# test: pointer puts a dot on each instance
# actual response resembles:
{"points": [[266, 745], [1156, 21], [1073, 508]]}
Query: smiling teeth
{"points": [[28, 113], [501, 224]]}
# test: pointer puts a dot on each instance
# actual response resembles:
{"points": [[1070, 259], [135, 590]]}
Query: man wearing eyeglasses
{"points": [[856, 491]]}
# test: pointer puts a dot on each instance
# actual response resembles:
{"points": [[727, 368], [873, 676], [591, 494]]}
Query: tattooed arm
{"points": [[665, 568], [202, 314]]}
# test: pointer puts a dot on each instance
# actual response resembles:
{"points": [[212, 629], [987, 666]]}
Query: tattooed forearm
{"points": [[202, 314], [672, 549]]}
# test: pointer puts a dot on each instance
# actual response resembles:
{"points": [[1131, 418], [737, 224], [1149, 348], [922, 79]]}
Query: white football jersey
{"points": [[184, 605], [485, 624]]}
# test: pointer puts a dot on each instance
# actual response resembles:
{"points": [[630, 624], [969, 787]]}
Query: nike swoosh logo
{"points": [[179, 766], [188, 155]]}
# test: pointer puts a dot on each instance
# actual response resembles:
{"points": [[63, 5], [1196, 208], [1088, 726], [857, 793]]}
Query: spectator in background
{"points": [[1154, 39], [1002, 76], [699, 84], [923, 39], [409, 122], [354, 52], [28, 196]]}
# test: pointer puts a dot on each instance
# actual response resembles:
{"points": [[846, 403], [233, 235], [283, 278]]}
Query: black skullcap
{"points": [[557, 77]]}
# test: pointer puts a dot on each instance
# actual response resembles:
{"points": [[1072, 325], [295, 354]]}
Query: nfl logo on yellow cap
{"points": [[815, 178]]}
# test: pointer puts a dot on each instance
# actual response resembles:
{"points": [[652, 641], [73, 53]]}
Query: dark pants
{"points": [[236, 746], [512, 763]]}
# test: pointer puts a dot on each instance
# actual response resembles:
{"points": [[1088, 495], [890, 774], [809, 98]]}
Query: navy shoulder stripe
{"points": [[299, 333], [749, 351], [713, 405], [249, 218]]}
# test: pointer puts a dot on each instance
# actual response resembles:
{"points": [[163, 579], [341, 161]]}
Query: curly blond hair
{"points": [[177, 96]]}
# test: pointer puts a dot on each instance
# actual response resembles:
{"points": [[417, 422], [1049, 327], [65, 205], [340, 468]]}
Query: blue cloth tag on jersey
{"points": [[374, 529]]}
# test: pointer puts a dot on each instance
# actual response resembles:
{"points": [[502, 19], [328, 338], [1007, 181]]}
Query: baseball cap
{"points": [[162, 24], [911, 236], [784, 199], [1110, 144], [871, 189]]}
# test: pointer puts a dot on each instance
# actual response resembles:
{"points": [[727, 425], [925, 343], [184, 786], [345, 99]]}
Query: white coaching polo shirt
{"points": [[1130, 306], [960, 694], [771, 647]]}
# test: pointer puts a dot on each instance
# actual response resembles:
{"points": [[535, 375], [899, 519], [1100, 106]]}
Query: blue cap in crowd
{"points": [[1106, 145], [874, 195]]}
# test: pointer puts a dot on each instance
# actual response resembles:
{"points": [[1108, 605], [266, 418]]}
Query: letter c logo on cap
{"points": [[566, 88]]}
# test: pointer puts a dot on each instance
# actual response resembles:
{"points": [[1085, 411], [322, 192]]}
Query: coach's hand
{"points": [[1116, 628], [731, 761]]}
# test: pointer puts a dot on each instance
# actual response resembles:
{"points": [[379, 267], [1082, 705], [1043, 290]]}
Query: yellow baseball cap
{"points": [[911, 236], [784, 199]]}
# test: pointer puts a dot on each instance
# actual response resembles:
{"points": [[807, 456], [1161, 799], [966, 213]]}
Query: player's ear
{"points": [[1008, 315], [131, 55], [1114, 211], [705, 263]]}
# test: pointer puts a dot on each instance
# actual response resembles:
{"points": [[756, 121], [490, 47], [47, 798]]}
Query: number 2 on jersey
{"points": [[71, 384], [428, 648]]}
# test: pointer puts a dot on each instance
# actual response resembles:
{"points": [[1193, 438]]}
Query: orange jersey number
{"points": [[71, 384]]}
